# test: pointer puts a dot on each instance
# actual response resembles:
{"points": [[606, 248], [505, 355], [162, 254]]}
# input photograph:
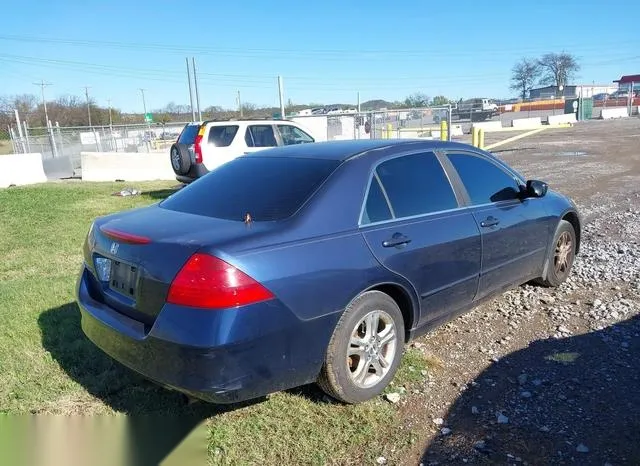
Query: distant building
{"points": [[626, 82], [570, 91]]}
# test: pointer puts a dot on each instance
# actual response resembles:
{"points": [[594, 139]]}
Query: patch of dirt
{"points": [[539, 375]]}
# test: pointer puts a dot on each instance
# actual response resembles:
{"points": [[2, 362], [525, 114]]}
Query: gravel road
{"points": [[539, 375]]}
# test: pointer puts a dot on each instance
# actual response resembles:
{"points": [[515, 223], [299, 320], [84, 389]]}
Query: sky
{"points": [[326, 51]]}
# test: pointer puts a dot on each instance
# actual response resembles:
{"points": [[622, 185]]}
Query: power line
{"points": [[307, 51]]}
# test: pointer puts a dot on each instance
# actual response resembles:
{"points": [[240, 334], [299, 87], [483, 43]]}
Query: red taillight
{"points": [[208, 282], [197, 144], [124, 237]]}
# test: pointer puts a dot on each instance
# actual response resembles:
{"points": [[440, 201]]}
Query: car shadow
{"points": [[158, 418], [160, 194], [120, 388], [573, 400]]}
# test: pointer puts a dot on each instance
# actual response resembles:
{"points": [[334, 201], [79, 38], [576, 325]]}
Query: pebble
{"points": [[582, 448], [438, 421], [522, 379], [502, 419], [381, 460], [525, 394], [392, 397], [480, 445], [445, 431], [474, 410]]}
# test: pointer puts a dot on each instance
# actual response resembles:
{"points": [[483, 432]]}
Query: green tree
{"points": [[439, 101]]}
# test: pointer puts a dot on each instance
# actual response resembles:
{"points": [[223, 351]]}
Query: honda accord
{"points": [[315, 263]]}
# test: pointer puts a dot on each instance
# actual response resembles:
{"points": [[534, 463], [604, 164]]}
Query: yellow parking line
{"points": [[515, 138]]}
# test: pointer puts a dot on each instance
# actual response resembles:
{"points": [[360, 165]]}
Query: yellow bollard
{"points": [[480, 138], [389, 130], [443, 130], [474, 136]]}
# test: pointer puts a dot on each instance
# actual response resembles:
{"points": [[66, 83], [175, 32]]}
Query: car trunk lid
{"points": [[134, 256]]}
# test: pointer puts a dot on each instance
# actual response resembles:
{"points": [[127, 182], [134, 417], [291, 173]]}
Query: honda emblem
{"points": [[114, 248]]}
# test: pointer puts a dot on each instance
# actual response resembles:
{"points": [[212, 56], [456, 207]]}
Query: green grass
{"points": [[48, 366], [5, 147]]}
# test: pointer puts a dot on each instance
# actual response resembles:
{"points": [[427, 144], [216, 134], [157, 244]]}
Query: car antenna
{"points": [[248, 219]]}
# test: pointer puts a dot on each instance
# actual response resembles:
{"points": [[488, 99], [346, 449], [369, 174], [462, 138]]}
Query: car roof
{"points": [[344, 150]]}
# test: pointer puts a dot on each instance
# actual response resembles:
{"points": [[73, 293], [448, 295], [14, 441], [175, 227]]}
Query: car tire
{"points": [[562, 253], [180, 160], [356, 348]]}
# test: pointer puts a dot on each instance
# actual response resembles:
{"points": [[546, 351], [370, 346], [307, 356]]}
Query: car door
{"points": [[258, 137], [290, 134], [515, 231], [415, 227]]}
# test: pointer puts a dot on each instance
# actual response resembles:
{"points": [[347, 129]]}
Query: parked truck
{"points": [[478, 109]]}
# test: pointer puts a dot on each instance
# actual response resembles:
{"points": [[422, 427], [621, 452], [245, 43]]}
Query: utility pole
{"points": [[281, 92], [110, 118], [144, 104], [86, 93], [239, 104], [195, 82], [193, 110], [358, 101], [42, 85]]}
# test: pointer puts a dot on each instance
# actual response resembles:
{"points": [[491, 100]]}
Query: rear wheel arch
{"points": [[404, 300]]}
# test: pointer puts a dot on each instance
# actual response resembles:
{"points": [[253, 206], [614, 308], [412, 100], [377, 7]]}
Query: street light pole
{"points": [[86, 93], [144, 104]]}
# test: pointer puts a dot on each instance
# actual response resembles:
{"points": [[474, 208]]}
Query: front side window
{"points": [[485, 181], [260, 136], [416, 184], [292, 135]]}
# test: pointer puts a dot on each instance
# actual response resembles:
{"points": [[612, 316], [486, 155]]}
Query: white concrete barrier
{"points": [[127, 166], [608, 113], [526, 123], [488, 126], [565, 118], [456, 130], [21, 169]]}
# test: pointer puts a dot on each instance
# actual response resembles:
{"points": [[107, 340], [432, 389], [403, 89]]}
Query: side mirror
{"points": [[536, 188]]}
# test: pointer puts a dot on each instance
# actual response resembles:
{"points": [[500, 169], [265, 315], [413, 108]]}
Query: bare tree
{"points": [[558, 68], [524, 75]]}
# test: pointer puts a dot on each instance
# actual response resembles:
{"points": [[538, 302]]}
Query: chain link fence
{"points": [[61, 147]]}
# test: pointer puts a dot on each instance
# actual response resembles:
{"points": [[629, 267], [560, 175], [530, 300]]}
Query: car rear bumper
{"points": [[222, 356]]}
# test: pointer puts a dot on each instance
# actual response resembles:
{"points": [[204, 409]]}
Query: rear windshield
{"points": [[267, 188], [188, 135]]}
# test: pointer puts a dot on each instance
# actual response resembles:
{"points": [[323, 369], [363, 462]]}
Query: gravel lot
{"points": [[548, 376]]}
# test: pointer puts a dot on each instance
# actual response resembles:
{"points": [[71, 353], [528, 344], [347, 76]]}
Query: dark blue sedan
{"points": [[315, 263]]}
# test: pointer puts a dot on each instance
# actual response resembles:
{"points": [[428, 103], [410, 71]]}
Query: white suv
{"points": [[203, 146]]}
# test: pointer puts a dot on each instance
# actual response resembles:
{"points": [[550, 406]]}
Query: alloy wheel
{"points": [[372, 348]]}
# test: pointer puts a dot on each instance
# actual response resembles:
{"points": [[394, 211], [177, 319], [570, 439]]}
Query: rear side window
{"points": [[260, 136], [376, 208], [485, 182], [267, 188], [222, 136], [416, 184], [188, 134]]}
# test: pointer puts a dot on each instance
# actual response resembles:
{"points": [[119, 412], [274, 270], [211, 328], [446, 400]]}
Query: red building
{"points": [[626, 82]]}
